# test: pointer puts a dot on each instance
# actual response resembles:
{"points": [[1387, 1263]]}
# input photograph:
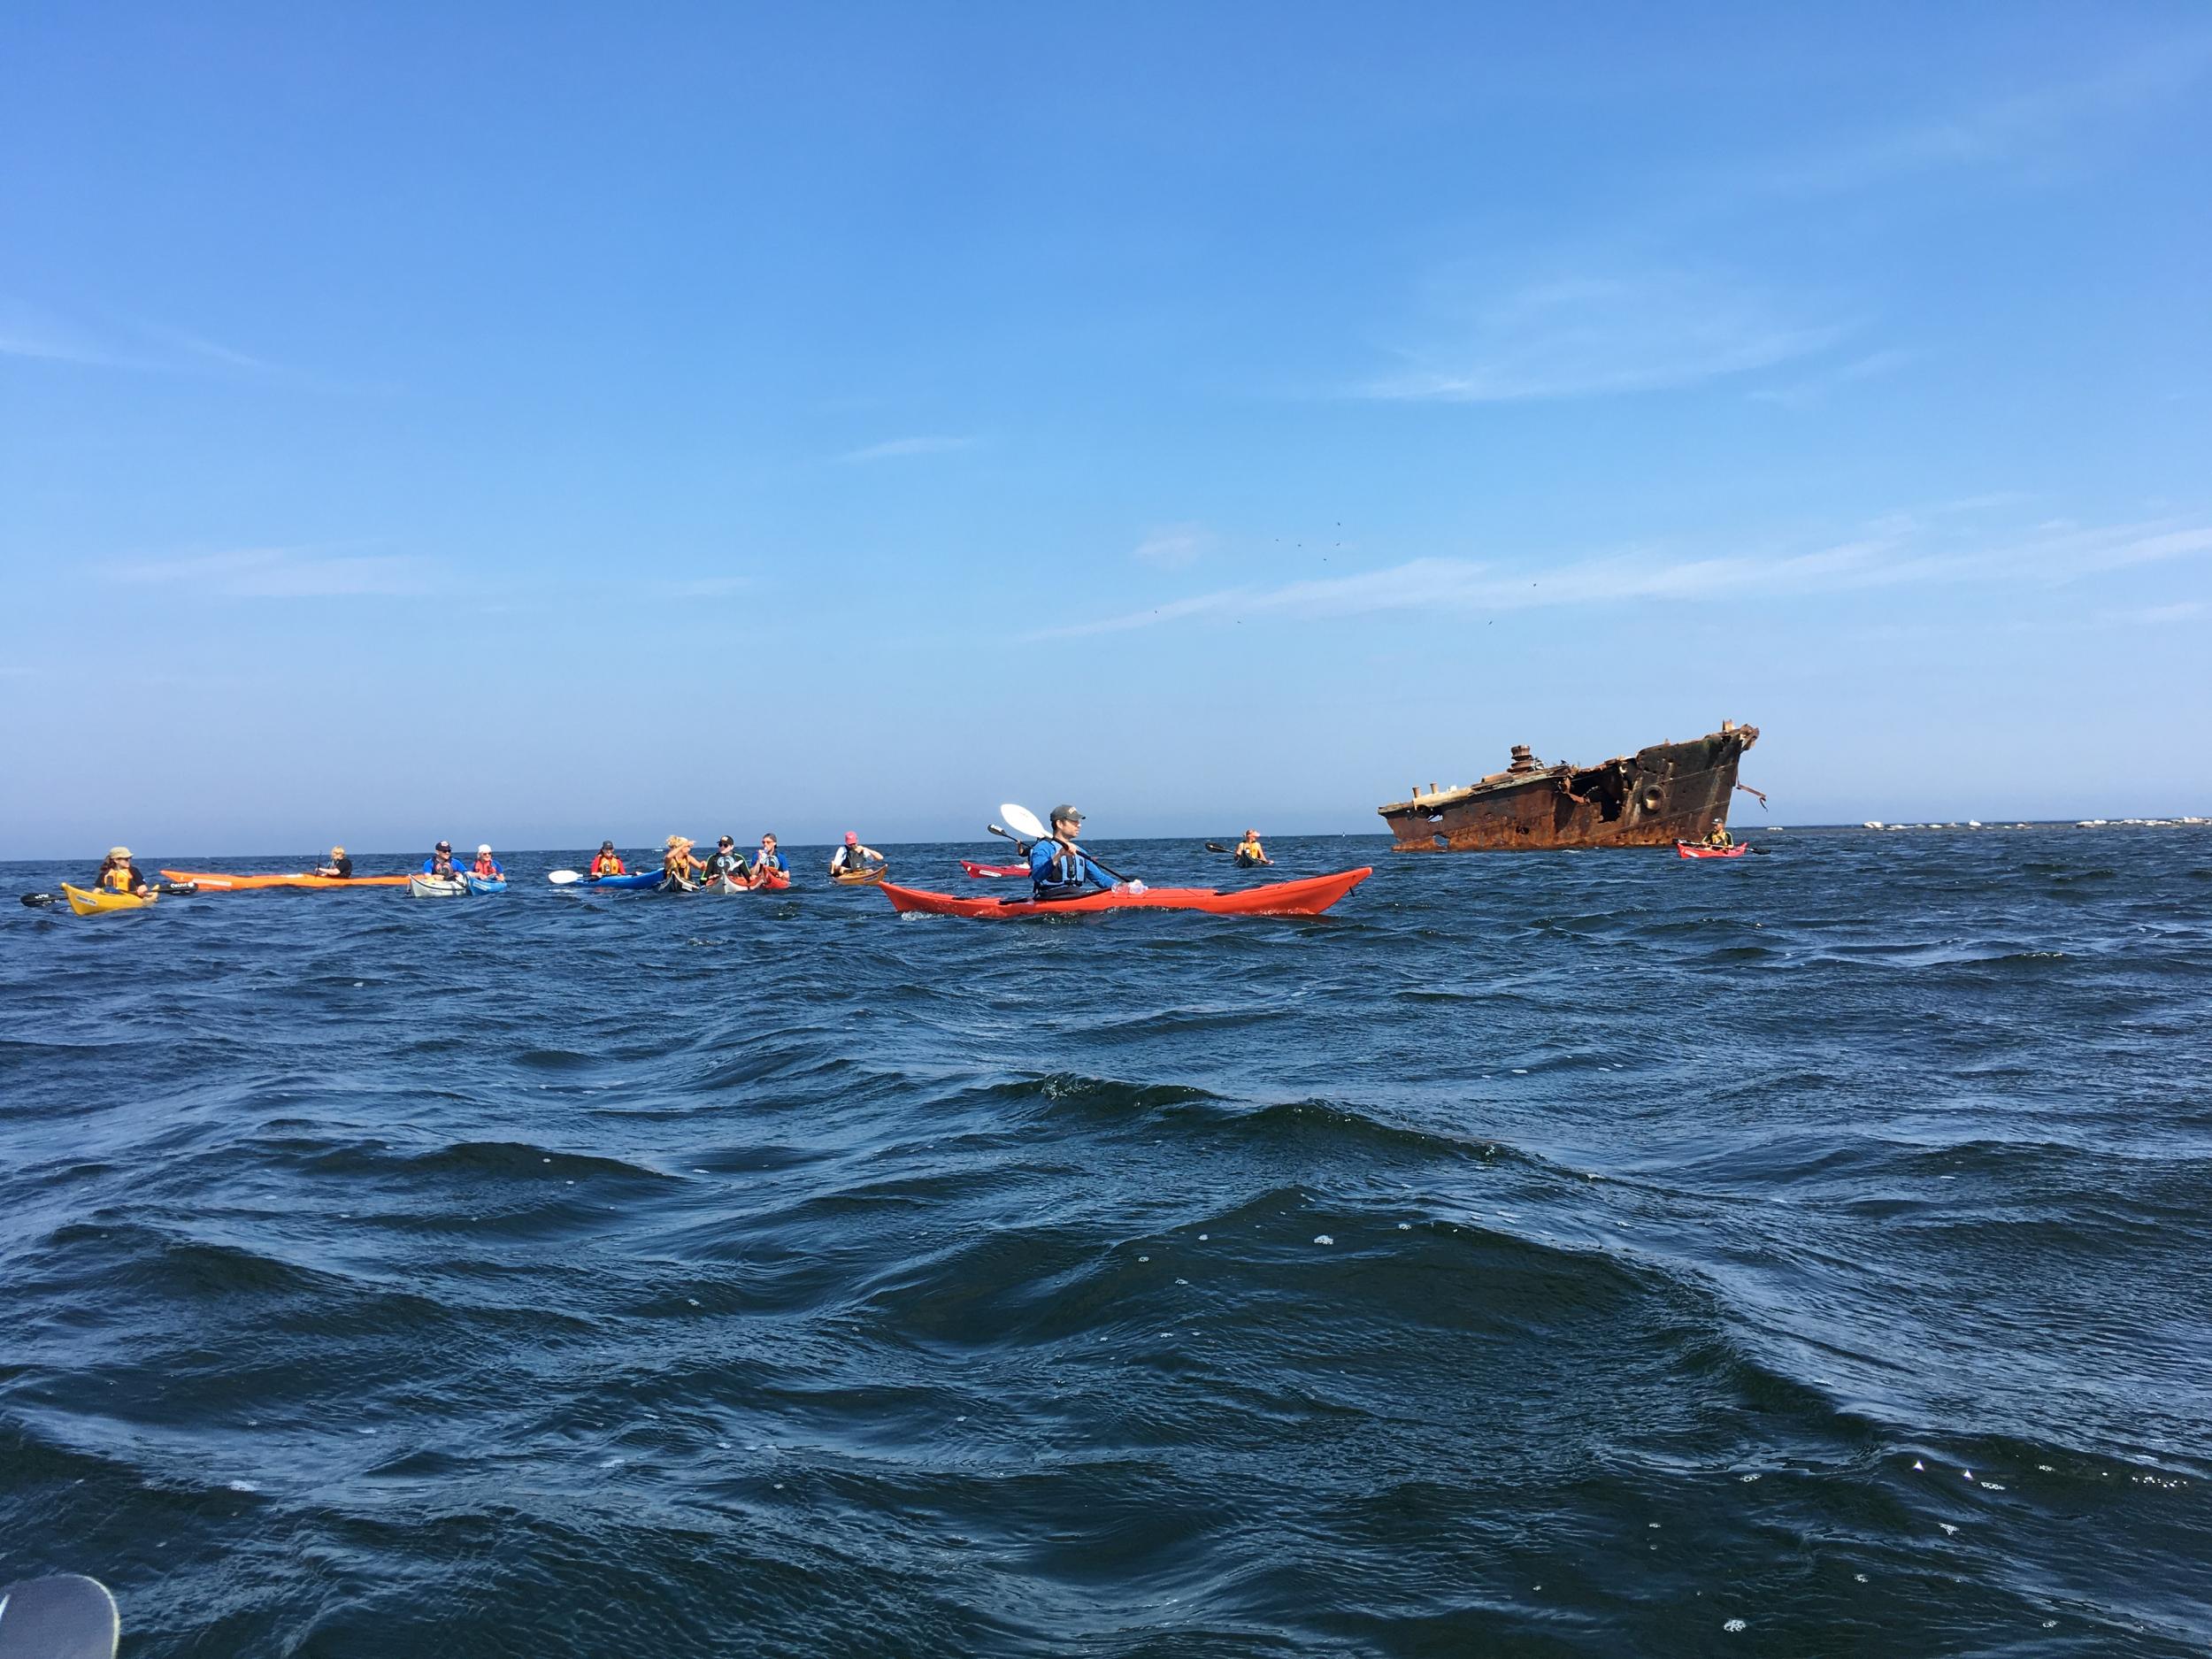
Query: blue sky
{"points": [[534, 423]]}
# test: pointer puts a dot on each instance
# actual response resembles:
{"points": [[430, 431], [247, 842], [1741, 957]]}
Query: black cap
{"points": [[606, 847], [442, 847], [1065, 813]]}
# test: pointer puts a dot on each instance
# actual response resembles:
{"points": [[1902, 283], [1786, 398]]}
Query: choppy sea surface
{"points": [[1557, 1254]]}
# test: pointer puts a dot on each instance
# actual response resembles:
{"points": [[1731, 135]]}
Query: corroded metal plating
{"points": [[1667, 793]]}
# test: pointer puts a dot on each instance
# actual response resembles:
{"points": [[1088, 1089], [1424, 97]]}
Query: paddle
{"points": [[175, 889], [69, 1616], [1025, 821], [565, 878]]}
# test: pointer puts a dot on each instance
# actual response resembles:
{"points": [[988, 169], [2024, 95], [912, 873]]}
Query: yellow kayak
{"points": [[860, 877], [91, 903]]}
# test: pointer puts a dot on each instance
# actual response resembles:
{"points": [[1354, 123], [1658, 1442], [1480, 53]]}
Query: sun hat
{"points": [[118, 852]]}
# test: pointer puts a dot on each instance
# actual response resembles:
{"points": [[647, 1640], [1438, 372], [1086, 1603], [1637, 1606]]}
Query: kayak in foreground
{"points": [[486, 884], [245, 884], [68, 1616], [436, 888], [982, 871], [1308, 897], [1695, 849], [94, 901]]}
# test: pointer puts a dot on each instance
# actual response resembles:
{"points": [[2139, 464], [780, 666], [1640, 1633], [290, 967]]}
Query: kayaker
{"points": [[726, 861], [1718, 836], [487, 865], [1059, 869], [678, 864], [340, 867], [118, 874], [1250, 853], [770, 867], [852, 858], [440, 862], [607, 862]]}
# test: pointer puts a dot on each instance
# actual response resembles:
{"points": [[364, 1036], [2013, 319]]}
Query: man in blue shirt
{"points": [[1059, 869], [770, 868], [440, 862]]}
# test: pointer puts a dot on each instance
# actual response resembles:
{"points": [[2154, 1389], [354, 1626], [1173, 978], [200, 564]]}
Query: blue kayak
{"points": [[486, 884], [637, 882]]}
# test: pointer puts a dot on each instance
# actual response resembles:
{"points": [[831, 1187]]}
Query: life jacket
{"points": [[487, 865], [1249, 853], [116, 877], [726, 864], [607, 865], [1062, 877]]}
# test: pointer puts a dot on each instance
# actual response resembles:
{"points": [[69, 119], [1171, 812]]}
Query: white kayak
{"points": [[436, 888]]}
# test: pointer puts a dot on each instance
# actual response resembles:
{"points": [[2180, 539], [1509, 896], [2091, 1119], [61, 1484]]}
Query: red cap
{"points": [[851, 840]]}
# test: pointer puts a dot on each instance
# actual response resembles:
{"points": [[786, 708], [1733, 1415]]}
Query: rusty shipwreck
{"points": [[1667, 793]]}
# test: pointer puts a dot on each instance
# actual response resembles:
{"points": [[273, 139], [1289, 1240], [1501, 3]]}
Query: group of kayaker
{"points": [[440, 864], [769, 868], [1058, 866]]}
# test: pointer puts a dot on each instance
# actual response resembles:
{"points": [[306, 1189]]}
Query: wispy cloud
{"points": [[1172, 546], [712, 587], [2034, 130], [27, 331], [1814, 390], [1591, 335], [2159, 616], [1897, 554], [279, 573], [895, 447]]}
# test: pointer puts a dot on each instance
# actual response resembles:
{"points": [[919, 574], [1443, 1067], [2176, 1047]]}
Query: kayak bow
{"points": [[636, 883], [1308, 897], [88, 902], [981, 871], [245, 884]]}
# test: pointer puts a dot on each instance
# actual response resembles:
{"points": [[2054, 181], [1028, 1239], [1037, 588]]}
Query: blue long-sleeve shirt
{"points": [[1043, 856]]}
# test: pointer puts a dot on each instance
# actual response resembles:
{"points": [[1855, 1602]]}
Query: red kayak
{"points": [[980, 871], [1695, 849], [1308, 897]]}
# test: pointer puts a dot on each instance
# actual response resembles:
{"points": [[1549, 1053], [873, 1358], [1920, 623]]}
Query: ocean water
{"points": [[1564, 1253]]}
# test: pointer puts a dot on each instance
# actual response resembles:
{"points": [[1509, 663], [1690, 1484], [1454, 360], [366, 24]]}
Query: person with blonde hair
{"points": [[678, 864]]}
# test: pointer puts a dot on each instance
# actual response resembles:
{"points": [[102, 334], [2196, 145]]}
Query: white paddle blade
{"points": [[565, 878], [1024, 821]]}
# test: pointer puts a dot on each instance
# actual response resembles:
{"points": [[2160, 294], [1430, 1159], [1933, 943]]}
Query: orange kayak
{"points": [[1307, 897], [1697, 850], [247, 884]]}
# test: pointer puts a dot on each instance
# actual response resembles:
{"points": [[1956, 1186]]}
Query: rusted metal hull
{"points": [[1667, 793]]}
